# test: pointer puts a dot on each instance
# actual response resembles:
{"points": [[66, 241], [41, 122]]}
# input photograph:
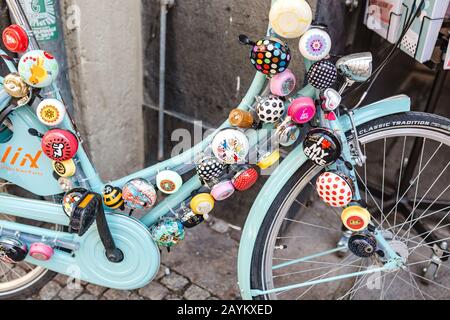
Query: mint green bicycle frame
{"points": [[123, 227]]}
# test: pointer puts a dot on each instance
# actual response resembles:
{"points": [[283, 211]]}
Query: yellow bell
{"points": [[112, 197], [65, 169], [290, 18], [269, 160], [202, 204], [355, 218], [15, 86]]}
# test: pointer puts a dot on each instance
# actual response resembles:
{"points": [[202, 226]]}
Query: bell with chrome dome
{"points": [[12, 250], [189, 219]]}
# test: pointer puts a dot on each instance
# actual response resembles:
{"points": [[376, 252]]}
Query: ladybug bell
{"points": [[59, 145], [269, 55]]}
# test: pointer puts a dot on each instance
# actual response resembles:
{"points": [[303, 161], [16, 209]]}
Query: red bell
{"points": [[15, 39], [60, 145], [245, 179]]}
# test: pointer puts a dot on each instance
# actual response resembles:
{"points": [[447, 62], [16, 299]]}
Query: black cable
{"points": [[371, 80]]}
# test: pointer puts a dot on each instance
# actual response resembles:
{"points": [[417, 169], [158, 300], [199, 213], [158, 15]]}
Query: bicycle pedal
{"points": [[82, 207]]}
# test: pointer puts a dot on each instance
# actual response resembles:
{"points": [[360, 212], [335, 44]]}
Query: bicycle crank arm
{"points": [[113, 253]]}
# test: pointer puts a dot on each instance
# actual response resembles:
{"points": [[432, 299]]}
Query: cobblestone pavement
{"points": [[203, 267]]}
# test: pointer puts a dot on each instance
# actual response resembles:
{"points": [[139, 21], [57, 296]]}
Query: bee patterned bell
{"points": [[112, 197]]}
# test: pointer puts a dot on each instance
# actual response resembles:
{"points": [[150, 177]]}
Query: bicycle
{"points": [[388, 222]]}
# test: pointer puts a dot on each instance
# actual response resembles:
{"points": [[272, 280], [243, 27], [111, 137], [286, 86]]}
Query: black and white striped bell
{"points": [[209, 168], [322, 74]]}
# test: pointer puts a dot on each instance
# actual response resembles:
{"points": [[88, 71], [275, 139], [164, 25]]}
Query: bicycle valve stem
{"points": [[241, 119]]}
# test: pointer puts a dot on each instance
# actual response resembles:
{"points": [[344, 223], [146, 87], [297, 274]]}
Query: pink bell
{"points": [[302, 110], [283, 84], [223, 190], [41, 251]]}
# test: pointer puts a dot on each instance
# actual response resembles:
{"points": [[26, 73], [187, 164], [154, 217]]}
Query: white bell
{"points": [[51, 112], [230, 146], [315, 44], [290, 18], [168, 181]]}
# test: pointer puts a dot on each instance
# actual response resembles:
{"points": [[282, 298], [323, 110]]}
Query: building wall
{"points": [[105, 63]]}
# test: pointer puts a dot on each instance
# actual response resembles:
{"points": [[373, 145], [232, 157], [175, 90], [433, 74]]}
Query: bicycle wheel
{"points": [[21, 280], [413, 214]]}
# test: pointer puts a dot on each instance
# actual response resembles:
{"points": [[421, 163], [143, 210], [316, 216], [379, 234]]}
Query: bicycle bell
{"points": [[51, 112], [38, 68], [315, 44], [65, 169], [230, 146], [168, 181], [12, 250], [268, 55], [355, 218], [290, 18], [167, 232], [362, 245], [202, 203], [322, 75], [112, 197], [322, 146], [283, 84], [209, 167], [302, 110], [335, 188], [41, 251], [270, 109], [222, 190], [139, 194], [189, 219], [245, 178], [59, 145], [15, 39]]}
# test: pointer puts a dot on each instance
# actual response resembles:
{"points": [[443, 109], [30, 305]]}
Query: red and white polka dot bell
{"points": [[335, 189]]}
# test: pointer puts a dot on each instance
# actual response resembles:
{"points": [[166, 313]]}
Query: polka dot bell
{"points": [[270, 109], [269, 55], [209, 168], [322, 74]]}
